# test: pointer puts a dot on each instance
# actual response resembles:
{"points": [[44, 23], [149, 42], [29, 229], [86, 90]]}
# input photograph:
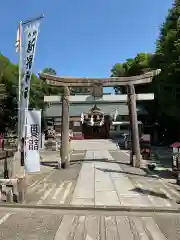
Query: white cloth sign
{"points": [[32, 140]]}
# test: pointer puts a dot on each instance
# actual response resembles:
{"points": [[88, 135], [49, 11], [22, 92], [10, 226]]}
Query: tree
{"points": [[118, 70], [57, 90], [167, 58], [9, 78], [52, 90], [131, 67], [9, 101], [50, 71], [142, 63]]}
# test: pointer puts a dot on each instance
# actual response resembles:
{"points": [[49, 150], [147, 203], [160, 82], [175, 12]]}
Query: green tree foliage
{"points": [[9, 103], [167, 57], [52, 90], [57, 90], [141, 64], [131, 67], [50, 71]]}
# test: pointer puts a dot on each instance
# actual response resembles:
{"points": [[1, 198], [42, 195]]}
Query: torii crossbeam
{"points": [[54, 80]]}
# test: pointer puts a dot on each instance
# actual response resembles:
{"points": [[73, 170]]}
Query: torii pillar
{"points": [[64, 149], [134, 132]]}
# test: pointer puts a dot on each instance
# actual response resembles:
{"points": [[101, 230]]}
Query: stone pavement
{"points": [[100, 178], [93, 144], [34, 224], [96, 177], [159, 186], [106, 179], [51, 185]]}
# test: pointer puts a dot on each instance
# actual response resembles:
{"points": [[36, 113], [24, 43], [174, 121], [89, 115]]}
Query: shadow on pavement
{"points": [[124, 172], [52, 164], [99, 160], [163, 173], [162, 162], [150, 192]]}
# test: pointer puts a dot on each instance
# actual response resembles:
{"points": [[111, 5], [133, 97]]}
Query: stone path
{"points": [[100, 184], [110, 183], [159, 191], [49, 224], [93, 144], [100, 178], [54, 186]]}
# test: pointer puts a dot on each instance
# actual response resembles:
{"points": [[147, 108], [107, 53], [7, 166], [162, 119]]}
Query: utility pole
{"points": [[134, 122], [65, 161]]}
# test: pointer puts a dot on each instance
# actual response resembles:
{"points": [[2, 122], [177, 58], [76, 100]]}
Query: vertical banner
{"points": [[30, 40], [32, 142]]}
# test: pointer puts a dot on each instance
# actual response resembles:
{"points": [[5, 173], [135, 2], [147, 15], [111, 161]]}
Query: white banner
{"points": [[30, 40], [32, 141]]}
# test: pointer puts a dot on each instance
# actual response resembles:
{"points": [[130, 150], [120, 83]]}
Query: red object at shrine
{"points": [[175, 145]]}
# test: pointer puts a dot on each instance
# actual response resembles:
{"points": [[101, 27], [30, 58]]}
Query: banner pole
{"points": [[19, 86]]}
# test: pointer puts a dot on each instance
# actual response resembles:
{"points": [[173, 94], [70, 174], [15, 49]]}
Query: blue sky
{"points": [[82, 37]]}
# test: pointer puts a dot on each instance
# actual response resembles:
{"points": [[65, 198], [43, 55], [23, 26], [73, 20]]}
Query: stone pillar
{"points": [[60, 162], [65, 161], [134, 122], [130, 130]]}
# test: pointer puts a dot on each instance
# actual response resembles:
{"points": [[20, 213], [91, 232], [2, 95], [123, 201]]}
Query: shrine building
{"points": [[96, 113]]}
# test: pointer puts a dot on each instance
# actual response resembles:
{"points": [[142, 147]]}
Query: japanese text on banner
{"points": [[34, 138]]}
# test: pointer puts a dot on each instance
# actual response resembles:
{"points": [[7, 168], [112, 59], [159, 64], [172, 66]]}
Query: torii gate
{"points": [[97, 84]]}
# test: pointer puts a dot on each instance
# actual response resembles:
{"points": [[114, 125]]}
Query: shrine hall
{"points": [[93, 117]]}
